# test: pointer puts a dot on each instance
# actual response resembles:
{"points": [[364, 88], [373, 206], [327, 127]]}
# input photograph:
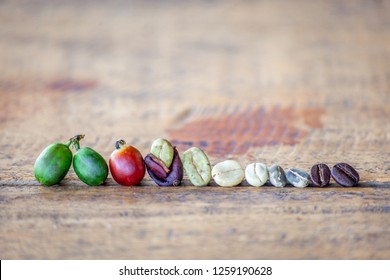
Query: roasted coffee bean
{"points": [[345, 175], [320, 175]]}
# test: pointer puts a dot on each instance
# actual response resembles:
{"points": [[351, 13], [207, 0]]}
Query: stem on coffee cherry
{"points": [[74, 141]]}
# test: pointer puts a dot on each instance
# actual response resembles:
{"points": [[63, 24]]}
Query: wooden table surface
{"points": [[288, 82]]}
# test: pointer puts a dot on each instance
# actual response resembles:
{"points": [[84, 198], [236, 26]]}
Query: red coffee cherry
{"points": [[127, 165]]}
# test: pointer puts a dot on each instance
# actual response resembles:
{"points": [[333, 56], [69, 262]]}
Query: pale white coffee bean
{"points": [[228, 173], [256, 174]]}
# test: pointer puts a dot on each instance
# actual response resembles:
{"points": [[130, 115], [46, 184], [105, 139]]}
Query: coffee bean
{"points": [[228, 173], [277, 177], [163, 149], [197, 166], [345, 175], [256, 174], [297, 177], [320, 175]]}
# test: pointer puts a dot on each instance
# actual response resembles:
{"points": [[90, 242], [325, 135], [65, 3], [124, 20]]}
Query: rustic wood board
{"points": [[288, 82]]}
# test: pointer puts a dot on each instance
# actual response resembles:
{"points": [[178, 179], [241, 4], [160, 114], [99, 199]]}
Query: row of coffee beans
{"points": [[197, 167], [230, 173], [166, 167]]}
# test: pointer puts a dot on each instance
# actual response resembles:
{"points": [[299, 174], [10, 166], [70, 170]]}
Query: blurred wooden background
{"points": [[288, 82]]}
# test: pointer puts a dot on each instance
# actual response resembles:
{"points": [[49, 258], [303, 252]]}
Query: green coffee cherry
{"points": [[53, 164], [89, 165]]}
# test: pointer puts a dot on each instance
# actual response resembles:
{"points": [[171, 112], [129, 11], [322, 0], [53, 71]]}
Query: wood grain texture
{"points": [[287, 82], [189, 222]]}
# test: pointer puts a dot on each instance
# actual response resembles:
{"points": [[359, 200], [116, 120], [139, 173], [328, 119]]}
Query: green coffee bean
{"points": [[197, 166], [256, 174], [162, 149], [277, 177], [298, 178], [228, 173]]}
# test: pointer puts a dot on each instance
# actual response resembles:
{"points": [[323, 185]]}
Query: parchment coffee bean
{"points": [[256, 174], [298, 178], [345, 175], [227, 173], [197, 166], [320, 175], [277, 177]]}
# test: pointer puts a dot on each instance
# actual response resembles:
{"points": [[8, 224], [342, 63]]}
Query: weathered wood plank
{"points": [[188, 222]]}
